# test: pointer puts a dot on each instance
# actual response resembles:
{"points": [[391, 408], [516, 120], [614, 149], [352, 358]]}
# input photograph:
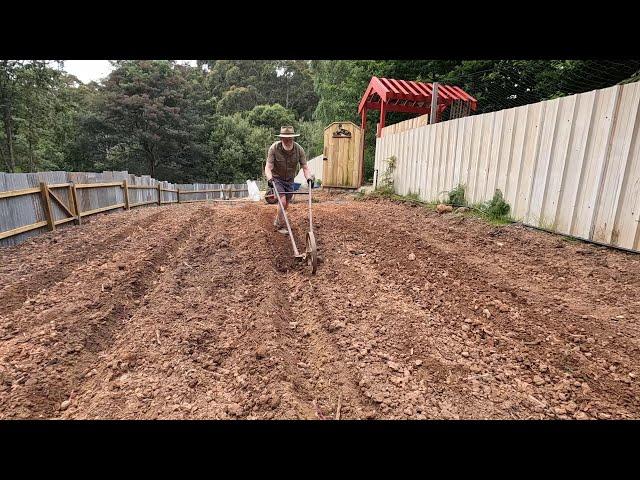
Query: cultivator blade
{"points": [[311, 252]]}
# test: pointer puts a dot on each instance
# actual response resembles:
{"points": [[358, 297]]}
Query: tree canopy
{"points": [[214, 122]]}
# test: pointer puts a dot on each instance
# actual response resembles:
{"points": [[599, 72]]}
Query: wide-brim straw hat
{"points": [[287, 132]]}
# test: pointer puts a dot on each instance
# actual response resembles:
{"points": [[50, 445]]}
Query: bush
{"points": [[386, 184], [497, 208], [456, 196]]}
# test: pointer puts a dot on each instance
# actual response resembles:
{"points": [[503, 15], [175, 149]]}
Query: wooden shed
{"points": [[343, 162]]}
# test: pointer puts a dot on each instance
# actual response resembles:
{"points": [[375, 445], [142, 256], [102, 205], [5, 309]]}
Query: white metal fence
{"points": [[571, 165]]}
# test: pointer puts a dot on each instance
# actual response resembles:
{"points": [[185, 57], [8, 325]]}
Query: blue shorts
{"points": [[284, 186]]}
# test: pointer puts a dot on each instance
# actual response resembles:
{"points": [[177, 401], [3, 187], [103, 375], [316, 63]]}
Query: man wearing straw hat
{"points": [[281, 168]]}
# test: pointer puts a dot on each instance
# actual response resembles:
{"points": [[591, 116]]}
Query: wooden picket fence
{"points": [[54, 204]]}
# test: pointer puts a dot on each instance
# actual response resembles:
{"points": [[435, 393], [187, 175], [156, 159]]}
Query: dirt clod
{"points": [[442, 208]]}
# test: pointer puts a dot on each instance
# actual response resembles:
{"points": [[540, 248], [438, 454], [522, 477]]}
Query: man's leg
{"points": [[285, 204], [279, 220]]}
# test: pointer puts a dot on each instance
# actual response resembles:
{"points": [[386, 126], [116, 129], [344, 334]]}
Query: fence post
{"points": [[434, 104], [159, 194], [125, 187], [76, 204], [72, 202], [178, 189], [46, 203]]}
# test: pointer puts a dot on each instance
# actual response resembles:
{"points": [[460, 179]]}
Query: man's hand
{"points": [[270, 182]]}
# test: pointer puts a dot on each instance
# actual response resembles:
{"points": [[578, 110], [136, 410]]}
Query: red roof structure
{"points": [[391, 95]]}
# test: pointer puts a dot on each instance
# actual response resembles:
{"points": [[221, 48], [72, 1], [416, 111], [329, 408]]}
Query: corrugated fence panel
{"points": [[529, 158], [466, 150], [457, 167], [451, 161], [437, 148], [474, 159], [16, 212], [442, 159], [557, 162], [618, 166], [402, 163], [447, 163], [482, 176], [402, 169], [571, 164], [422, 161], [627, 223], [594, 161], [504, 161], [412, 159], [417, 167], [25, 210], [420, 166], [494, 157], [585, 103], [406, 178], [540, 175], [517, 155]]}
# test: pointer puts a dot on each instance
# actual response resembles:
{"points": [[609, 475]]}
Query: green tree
{"points": [[238, 99], [294, 88], [25, 105], [238, 83], [238, 149], [141, 107], [312, 137], [271, 117]]}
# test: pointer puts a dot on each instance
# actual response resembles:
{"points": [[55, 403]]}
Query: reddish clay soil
{"points": [[200, 311]]}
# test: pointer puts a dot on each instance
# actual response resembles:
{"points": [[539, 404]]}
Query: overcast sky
{"points": [[95, 70]]}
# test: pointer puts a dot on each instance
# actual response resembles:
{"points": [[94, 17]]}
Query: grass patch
{"points": [[572, 240], [476, 212], [388, 194], [359, 196], [545, 225], [495, 211]]}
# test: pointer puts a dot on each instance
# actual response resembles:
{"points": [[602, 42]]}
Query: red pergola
{"points": [[391, 95]]}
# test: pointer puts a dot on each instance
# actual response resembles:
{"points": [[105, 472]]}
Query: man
{"points": [[281, 168]]}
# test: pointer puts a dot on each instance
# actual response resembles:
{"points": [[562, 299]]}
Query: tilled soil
{"points": [[200, 311]]}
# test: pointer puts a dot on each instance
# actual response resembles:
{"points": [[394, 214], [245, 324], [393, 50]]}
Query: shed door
{"points": [[339, 166]]}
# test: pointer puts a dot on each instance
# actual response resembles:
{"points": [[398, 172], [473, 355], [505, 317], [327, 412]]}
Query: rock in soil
{"points": [[442, 208]]}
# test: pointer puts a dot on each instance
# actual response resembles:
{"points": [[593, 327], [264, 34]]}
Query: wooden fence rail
{"points": [[57, 203]]}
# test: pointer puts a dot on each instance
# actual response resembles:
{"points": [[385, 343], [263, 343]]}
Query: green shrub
{"points": [[497, 208], [456, 196]]}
